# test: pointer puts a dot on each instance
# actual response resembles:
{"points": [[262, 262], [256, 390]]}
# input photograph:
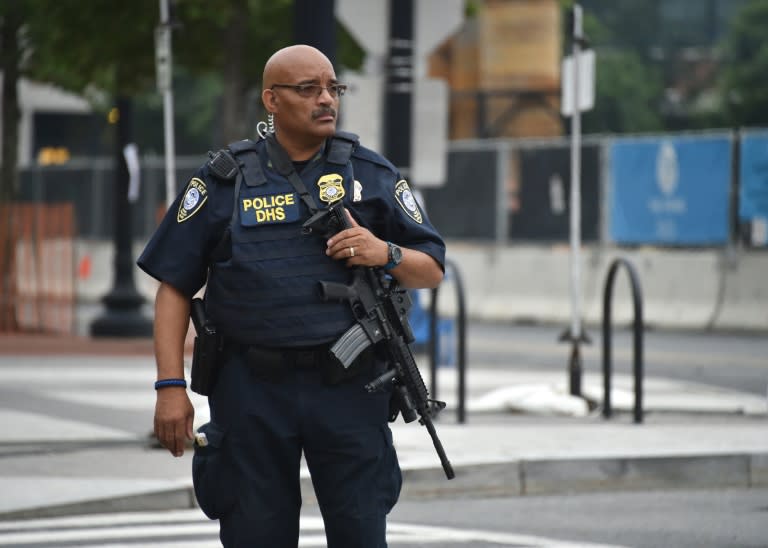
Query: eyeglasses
{"points": [[314, 90]]}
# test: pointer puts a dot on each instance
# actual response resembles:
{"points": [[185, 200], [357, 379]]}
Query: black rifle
{"points": [[205, 353], [380, 307]]}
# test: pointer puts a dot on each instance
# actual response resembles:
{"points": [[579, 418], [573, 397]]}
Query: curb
{"points": [[513, 478], [170, 499], [587, 475]]}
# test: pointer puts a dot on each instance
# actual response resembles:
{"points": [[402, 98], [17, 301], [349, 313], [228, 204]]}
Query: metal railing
{"points": [[451, 270], [637, 325]]}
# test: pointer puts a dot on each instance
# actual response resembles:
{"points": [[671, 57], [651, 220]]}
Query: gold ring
{"points": [[351, 251]]}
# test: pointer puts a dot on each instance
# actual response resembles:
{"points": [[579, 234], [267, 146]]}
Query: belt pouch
{"points": [[334, 372], [266, 365]]}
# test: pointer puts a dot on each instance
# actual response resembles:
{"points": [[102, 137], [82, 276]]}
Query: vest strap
{"points": [[340, 149], [284, 167], [241, 146], [248, 162]]}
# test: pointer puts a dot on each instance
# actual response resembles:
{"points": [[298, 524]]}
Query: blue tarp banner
{"points": [[672, 191], [753, 184]]}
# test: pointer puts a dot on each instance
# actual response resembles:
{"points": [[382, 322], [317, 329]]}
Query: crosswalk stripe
{"points": [[431, 533], [190, 529], [215, 543], [100, 520], [64, 536]]}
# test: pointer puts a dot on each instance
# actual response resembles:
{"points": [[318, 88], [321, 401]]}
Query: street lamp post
{"points": [[314, 24], [122, 316], [399, 86]]}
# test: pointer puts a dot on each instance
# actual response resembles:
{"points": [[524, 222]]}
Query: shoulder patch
{"points": [[194, 198], [407, 201]]}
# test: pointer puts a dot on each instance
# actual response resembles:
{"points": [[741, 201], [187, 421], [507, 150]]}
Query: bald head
{"points": [[296, 93], [293, 60]]}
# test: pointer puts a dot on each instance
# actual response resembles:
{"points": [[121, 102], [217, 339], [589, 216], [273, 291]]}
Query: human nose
{"points": [[324, 95]]}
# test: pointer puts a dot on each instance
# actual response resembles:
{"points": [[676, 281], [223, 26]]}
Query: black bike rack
{"points": [[637, 338], [461, 336]]}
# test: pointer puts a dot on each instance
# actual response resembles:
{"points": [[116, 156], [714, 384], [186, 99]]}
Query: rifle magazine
{"points": [[350, 345]]}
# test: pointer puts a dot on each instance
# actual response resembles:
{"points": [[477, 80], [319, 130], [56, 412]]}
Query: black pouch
{"points": [[334, 372], [204, 364], [266, 365], [213, 472]]}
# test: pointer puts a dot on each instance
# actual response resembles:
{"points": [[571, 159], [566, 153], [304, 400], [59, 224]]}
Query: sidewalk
{"points": [[77, 415]]}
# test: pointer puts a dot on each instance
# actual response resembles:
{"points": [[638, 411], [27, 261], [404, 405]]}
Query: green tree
{"points": [[628, 88], [11, 21], [12, 15], [627, 92], [233, 40], [107, 47], [744, 81], [106, 50]]}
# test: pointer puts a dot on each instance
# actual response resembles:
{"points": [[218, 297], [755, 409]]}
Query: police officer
{"points": [[236, 229]]}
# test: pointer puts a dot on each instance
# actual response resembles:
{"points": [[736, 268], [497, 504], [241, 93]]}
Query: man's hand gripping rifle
{"points": [[380, 307]]}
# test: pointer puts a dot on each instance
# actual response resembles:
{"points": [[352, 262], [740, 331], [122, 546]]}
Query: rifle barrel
{"points": [[449, 473]]}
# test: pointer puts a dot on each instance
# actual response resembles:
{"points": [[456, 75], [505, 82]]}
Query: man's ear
{"points": [[269, 99]]}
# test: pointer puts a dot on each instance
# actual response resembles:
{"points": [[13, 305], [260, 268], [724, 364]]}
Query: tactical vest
{"points": [[267, 292]]}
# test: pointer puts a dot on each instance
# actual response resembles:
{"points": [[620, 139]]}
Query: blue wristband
{"points": [[170, 382]]}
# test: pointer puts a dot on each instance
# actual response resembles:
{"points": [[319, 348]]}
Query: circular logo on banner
{"points": [[666, 168]]}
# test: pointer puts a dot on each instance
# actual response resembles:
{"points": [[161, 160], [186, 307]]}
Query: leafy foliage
{"points": [[102, 48], [744, 81], [628, 88], [102, 44], [627, 92]]}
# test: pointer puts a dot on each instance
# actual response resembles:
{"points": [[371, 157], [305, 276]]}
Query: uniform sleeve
{"points": [[178, 252], [388, 207], [412, 227]]}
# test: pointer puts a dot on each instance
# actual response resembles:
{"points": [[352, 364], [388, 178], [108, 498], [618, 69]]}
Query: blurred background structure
{"points": [[674, 170]]}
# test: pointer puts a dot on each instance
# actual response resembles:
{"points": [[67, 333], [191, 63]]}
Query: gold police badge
{"points": [[331, 188]]}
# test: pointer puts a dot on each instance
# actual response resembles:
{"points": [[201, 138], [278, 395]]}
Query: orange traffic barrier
{"points": [[37, 267]]}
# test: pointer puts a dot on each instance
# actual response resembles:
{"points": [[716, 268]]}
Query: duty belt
{"points": [[272, 364], [305, 357]]}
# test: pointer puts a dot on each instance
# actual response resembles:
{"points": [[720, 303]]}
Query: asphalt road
{"points": [[680, 519], [732, 360], [677, 519]]}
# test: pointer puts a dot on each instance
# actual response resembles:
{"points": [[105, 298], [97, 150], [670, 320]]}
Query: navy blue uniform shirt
{"points": [[179, 251]]}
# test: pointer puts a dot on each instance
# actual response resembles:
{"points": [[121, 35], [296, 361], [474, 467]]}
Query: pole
{"points": [[165, 85], [399, 86], [122, 316], [575, 367], [314, 24]]}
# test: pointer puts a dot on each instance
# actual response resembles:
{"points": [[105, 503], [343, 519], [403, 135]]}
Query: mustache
{"points": [[325, 111]]}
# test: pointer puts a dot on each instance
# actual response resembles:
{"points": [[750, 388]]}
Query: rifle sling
{"points": [[284, 167]]}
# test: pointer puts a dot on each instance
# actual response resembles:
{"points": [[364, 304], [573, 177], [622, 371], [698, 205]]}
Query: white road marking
{"points": [[191, 529]]}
